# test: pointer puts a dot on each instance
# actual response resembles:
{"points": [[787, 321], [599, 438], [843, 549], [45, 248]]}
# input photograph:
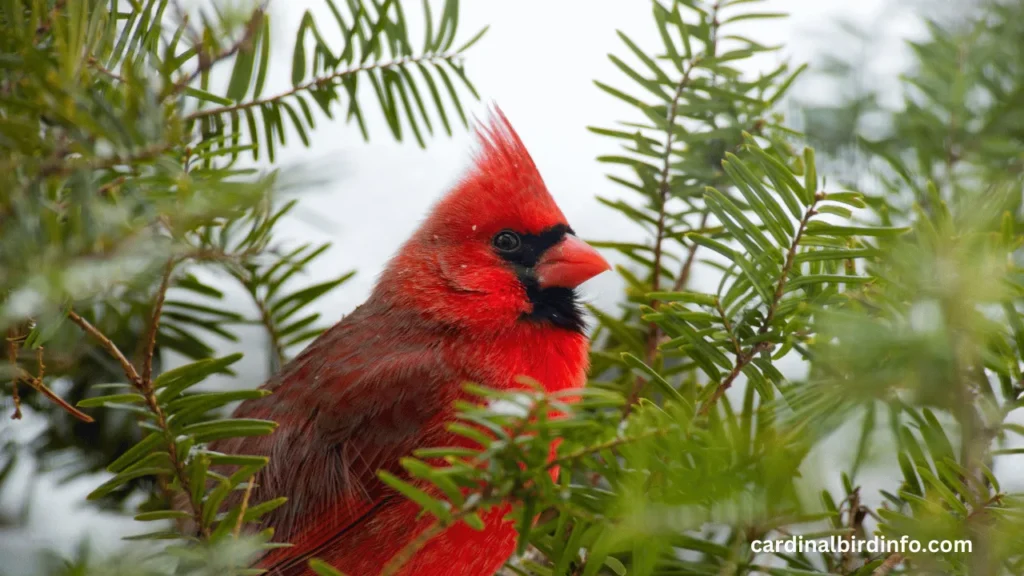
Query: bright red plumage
{"points": [[456, 304]]}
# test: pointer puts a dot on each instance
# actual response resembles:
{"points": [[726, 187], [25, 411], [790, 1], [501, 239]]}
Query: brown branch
{"points": [[887, 566], [653, 332], [145, 387], [684, 274], [36, 381], [324, 80], [728, 327], [615, 442], [154, 322], [93, 63], [790, 259], [110, 347], [206, 61], [741, 363], [664, 186]]}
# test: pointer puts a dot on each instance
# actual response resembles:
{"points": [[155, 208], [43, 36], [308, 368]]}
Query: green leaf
{"points": [[136, 452], [231, 428], [854, 199], [123, 478], [817, 228], [261, 74], [162, 515], [111, 399], [207, 96], [174, 382], [666, 388], [810, 174], [241, 75], [255, 512], [435, 507], [299, 53], [476, 38], [754, 16], [322, 568]]}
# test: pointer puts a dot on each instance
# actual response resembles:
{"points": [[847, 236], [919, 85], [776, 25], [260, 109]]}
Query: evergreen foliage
{"points": [[855, 370], [125, 187]]}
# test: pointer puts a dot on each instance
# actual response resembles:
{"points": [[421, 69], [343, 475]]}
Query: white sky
{"points": [[537, 62]]}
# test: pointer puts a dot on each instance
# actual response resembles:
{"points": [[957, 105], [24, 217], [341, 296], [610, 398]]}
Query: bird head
{"points": [[495, 250]]}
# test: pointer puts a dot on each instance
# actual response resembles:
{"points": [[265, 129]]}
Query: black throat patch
{"points": [[559, 306]]}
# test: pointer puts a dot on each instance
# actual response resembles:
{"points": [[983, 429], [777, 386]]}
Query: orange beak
{"points": [[569, 263]]}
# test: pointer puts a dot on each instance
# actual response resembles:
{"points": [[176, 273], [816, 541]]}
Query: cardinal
{"points": [[484, 291]]}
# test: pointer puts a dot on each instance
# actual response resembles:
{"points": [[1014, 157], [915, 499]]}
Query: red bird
{"points": [[482, 292]]}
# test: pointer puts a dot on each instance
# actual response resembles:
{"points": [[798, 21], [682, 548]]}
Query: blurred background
{"points": [[537, 62]]}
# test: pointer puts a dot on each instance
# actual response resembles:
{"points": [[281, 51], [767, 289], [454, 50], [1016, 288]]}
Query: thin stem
{"points": [[154, 321], [741, 363], [664, 176], [780, 287], [145, 387], [684, 274], [99, 68], [728, 327], [324, 80], [653, 332], [110, 347], [207, 61], [582, 452], [888, 565]]}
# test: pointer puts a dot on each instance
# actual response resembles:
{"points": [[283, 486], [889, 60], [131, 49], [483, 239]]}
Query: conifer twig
{"points": [[154, 321], [780, 287], [108, 345], [324, 80], [887, 566], [149, 394]]}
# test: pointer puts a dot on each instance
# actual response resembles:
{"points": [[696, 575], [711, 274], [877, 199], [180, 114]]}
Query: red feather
{"points": [[382, 382]]}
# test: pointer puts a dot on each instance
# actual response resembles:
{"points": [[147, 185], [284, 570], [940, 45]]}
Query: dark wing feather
{"points": [[365, 394]]}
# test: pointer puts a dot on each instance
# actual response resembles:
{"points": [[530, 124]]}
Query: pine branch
{"points": [[206, 61], [746, 358], [614, 443], [34, 381], [94, 63], [145, 387], [326, 80], [664, 177], [154, 321], [109, 346], [691, 253]]}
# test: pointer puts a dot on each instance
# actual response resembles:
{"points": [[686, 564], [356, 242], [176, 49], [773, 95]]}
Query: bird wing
{"points": [[355, 401]]}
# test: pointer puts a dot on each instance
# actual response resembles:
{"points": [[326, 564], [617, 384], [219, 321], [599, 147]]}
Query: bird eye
{"points": [[507, 241]]}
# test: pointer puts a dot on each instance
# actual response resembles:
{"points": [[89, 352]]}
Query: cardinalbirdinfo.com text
{"points": [[841, 544]]}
